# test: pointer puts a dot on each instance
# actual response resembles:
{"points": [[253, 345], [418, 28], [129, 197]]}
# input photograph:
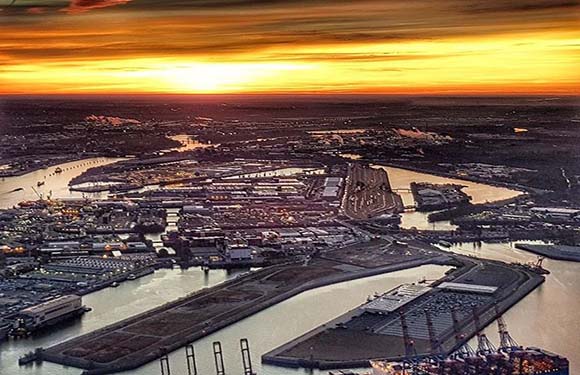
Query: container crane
{"points": [[435, 344], [484, 346], [506, 342], [410, 350]]}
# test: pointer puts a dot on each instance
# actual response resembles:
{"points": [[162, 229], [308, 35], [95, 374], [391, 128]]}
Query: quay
{"points": [[437, 319], [143, 338], [558, 252]]}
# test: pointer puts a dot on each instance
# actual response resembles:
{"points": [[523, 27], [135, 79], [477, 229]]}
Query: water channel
{"points": [[24, 188]]}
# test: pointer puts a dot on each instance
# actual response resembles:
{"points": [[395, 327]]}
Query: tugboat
{"points": [[19, 330], [30, 357], [445, 243]]}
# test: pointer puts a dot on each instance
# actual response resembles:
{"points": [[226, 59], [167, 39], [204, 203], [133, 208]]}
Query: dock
{"points": [[437, 320], [143, 338]]}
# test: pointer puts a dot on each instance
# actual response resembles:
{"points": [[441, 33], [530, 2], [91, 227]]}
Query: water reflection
{"points": [[290, 319], [188, 143], [401, 180], [55, 184], [109, 306], [549, 316]]}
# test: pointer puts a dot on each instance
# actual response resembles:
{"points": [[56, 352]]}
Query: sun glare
{"points": [[215, 77]]}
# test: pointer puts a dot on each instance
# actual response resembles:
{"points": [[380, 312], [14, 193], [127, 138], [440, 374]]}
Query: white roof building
{"points": [[395, 299]]}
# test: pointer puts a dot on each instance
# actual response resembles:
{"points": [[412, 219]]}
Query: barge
{"points": [[47, 314]]}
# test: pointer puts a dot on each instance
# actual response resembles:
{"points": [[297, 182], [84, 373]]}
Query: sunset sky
{"points": [[249, 46]]}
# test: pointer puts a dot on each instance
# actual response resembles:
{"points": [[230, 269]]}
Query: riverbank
{"points": [[48, 164], [26, 187], [330, 346], [232, 301], [521, 188]]}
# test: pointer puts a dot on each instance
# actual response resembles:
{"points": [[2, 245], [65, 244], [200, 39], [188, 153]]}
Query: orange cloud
{"points": [[291, 46], [81, 6]]}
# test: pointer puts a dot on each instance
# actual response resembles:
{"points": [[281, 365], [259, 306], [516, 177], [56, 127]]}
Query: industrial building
{"points": [[395, 298]]}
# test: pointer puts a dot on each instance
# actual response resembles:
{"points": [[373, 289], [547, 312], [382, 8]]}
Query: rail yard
{"points": [[368, 194]]}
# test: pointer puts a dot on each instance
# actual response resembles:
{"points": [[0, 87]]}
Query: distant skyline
{"points": [[301, 46]]}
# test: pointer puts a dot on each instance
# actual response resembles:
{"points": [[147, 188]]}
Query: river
{"points": [[282, 322], [55, 184], [548, 317], [402, 178], [110, 305], [265, 330]]}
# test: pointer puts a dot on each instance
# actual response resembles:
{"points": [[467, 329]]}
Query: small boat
{"points": [[39, 183], [17, 189], [114, 284], [131, 277], [58, 170], [28, 358]]}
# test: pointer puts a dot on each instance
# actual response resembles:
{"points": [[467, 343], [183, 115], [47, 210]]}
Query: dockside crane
{"points": [[458, 335], [39, 195], [410, 350], [464, 351], [539, 262], [506, 342], [435, 344], [484, 346], [476, 319]]}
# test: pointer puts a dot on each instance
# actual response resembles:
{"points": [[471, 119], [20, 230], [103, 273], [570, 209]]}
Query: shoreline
{"points": [[557, 252], [276, 357], [517, 187], [137, 359], [77, 158]]}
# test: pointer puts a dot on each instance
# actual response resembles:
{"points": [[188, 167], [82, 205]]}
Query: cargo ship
{"points": [[508, 359], [47, 314], [524, 361]]}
